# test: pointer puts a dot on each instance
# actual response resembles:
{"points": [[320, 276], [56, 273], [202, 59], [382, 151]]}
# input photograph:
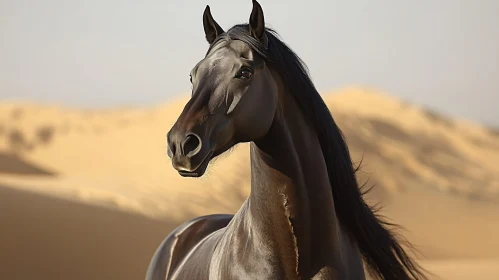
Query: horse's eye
{"points": [[244, 73], [190, 78]]}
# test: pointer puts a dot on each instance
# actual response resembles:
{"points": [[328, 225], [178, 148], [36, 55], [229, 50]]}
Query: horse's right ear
{"points": [[211, 27]]}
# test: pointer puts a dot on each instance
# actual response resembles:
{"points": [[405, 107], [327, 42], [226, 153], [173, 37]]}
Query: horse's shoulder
{"points": [[180, 241]]}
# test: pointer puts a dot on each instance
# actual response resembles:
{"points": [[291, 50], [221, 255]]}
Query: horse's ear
{"points": [[257, 22], [211, 27]]}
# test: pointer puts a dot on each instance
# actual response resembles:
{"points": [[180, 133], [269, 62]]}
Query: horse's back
{"points": [[177, 245]]}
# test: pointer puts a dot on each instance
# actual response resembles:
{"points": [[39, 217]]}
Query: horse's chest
{"points": [[245, 264]]}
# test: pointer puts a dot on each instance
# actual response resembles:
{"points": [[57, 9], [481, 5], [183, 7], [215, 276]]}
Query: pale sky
{"points": [[439, 53]]}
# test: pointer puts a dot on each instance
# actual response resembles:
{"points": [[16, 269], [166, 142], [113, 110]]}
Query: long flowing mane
{"points": [[380, 249]]}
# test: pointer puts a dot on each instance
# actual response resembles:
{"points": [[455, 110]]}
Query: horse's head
{"points": [[234, 98]]}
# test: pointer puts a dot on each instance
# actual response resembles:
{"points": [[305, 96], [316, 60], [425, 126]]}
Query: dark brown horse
{"points": [[305, 217]]}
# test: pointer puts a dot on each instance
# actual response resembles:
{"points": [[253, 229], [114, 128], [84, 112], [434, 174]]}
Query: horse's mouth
{"points": [[200, 170]]}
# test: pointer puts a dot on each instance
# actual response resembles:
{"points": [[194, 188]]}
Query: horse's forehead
{"points": [[233, 49], [218, 55], [240, 48]]}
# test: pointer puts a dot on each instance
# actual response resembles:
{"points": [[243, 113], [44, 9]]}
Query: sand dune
{"points": [[43, 237], [88, 176]]}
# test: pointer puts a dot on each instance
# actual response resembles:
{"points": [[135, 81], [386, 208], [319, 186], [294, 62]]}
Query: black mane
{"points": [[379, 246]]}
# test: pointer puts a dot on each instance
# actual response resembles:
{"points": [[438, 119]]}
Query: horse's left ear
{"points": [[257, 22]]}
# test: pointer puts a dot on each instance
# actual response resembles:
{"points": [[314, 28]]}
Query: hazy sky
{"points": [[439, 53]]}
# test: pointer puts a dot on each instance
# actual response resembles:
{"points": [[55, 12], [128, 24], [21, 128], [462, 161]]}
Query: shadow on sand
{"points": [[11, 163]]}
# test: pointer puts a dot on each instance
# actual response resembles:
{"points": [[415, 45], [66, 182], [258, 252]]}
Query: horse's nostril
{"points": [[191, 145]]}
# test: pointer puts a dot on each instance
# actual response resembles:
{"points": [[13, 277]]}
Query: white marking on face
{"points": [[234, 103]]}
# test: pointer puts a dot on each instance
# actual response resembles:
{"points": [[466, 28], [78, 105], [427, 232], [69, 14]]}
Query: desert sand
{"points": [[90, 194]]}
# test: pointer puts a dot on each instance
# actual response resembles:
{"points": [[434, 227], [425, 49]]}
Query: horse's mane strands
{"points": [[380, 247]]}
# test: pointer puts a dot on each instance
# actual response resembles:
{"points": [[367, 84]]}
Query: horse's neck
{"points": [[291, 202]]}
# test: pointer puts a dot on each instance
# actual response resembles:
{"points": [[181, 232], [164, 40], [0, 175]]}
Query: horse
{"points": [[305, 217]]}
